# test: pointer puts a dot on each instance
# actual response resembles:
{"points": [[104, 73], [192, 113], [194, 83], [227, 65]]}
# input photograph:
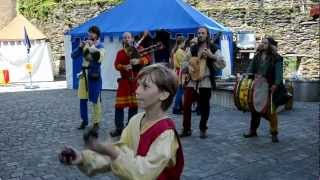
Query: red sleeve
{"points": [[118, 63]]}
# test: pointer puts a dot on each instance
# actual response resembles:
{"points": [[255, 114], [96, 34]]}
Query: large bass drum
{"points": [[251, 94]]}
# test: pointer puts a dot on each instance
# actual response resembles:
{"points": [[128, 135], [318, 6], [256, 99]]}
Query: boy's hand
{"points": [[70, 156], [106, 149], [90, 138]]}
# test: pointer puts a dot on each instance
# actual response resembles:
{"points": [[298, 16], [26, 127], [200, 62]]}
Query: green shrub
{"points": [[40, 9]]}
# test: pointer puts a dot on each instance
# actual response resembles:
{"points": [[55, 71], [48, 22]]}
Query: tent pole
{"points": [[30, 75]]}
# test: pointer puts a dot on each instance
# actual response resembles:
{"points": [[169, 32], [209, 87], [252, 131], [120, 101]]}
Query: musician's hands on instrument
{"points": [[207, 53], [128, 67], [82, 44], [70, 156], [92, 49], [134, 61], [90, 42], [202, 54], [191, 69]]}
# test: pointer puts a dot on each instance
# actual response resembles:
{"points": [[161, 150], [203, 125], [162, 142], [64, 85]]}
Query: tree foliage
{"points": [[40, 9], [37, 8]]}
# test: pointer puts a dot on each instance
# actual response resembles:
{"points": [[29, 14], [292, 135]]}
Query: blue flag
{"points": [[26, 41]]}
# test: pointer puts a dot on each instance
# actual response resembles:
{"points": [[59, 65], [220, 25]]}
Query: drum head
{"points": [[260, 95]]}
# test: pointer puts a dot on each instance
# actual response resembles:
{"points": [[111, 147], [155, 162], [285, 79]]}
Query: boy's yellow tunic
{"points": [[128, 165]]}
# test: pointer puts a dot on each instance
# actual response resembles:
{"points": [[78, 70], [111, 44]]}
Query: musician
{"points": [[127, 84], [178, 57], [90, 82], [268, 64], [201, 89]]}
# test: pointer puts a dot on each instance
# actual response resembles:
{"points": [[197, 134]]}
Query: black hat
{"points": [[95, 30], [272, 41]]}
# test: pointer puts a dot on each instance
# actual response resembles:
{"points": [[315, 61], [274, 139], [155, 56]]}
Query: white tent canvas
{"points": [[14, 56]]}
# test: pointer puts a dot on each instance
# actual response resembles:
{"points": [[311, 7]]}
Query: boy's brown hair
{"points": [[164, 78]]}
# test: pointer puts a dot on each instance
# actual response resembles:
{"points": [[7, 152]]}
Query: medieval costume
{"points": [[179, 56], [270, 66], [151, 152], [90, 83], [200, 90], [127, 86]]}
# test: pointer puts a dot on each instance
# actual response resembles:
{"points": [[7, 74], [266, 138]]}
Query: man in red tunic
{"points": [[127, 84]]}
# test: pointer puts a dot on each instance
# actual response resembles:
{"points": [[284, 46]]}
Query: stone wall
{"points": [[289, 23], [7, 11], [286, 20], [65, 16]]}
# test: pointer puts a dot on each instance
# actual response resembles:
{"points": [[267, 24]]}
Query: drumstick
{"points": [[271, 104]]}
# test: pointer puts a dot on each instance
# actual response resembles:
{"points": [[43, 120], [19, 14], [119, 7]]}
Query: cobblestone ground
{"points": [[35, 125]]}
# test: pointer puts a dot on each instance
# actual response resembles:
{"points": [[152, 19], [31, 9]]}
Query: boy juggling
{"points": [[149, 147]]}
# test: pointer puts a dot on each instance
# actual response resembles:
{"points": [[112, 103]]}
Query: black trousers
{"points": [[203, 98], [256, 118]]}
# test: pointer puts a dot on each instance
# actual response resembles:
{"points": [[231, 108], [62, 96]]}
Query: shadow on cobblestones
{"points": [[35, 125]]}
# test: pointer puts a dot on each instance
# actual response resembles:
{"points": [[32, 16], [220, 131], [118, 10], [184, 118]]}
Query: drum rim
{"points": [[243, 106], [235, 97], [250, 94], [253, 97], [238, 94]]}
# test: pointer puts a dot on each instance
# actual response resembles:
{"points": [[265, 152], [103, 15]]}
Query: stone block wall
{"points": [[65, 16], [7, 11], [286, 20]]}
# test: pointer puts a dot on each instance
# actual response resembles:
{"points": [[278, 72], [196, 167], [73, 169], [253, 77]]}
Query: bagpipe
{"points": [[90, 56], [138, 52], [135, 51], [93, 56]]}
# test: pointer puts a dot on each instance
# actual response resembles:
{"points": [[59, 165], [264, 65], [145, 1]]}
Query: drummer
{"points": [[267, 63]]}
